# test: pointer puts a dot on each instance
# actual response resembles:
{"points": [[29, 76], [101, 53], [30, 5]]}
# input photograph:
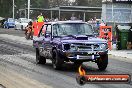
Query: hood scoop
{"points": [[81, 37]]}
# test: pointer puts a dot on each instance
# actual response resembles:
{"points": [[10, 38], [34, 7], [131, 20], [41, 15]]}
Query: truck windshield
{"points": [[72, 29]]}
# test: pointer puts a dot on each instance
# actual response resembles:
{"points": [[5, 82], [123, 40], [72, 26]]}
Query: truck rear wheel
{"points": [[102, 62], [40, 59], [57, 61]]}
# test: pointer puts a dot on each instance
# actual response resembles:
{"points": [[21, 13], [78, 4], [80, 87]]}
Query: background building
{"points": [[117, 12]]}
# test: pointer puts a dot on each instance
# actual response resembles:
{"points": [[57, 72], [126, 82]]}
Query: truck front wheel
{"points": [[57, 61], [102, 62], [40, 59]]}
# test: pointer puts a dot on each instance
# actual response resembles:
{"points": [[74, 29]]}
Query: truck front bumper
{"points": [[83, 56]]}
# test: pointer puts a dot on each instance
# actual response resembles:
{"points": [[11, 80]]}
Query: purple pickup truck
{"points": [[70, 41]]}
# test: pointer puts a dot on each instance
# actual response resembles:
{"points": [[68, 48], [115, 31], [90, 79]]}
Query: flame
{"points": [[81, 71]]}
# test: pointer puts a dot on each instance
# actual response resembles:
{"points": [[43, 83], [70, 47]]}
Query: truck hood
{"points": [[80, 39]]}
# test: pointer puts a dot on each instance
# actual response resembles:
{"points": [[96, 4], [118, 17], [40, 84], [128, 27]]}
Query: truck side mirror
{"points": [[47, 34], [96, 34]]}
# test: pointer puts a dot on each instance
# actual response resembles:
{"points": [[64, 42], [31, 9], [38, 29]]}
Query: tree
{"points": [[57, 3], [81, 2], [90, 3], [40, 3], [5, 6]]}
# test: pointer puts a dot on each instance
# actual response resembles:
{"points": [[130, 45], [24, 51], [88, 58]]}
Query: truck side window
{"points": [[55, 27], [48, 31], [42, 31]]}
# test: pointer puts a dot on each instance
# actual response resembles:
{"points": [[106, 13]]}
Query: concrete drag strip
{"points": [[26, 65], [18, 39], [124, 59], [23, 61], [114, 54], [9, 79]]}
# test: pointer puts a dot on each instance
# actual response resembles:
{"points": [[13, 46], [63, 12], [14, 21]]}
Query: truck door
{"points": [[47, 43]]}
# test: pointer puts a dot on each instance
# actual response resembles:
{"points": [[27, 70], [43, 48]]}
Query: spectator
{"points": [[40, 18], [56, 19], [73, 17]]}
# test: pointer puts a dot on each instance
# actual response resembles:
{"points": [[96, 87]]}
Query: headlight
{"points": [[73, 47], [103, 46], [65, 46]]}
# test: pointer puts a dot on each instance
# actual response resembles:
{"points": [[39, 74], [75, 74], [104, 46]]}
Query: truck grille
{"points": [[86, 47]]}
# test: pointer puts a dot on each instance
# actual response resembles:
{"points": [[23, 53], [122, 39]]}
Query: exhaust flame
{"points": [[81, 71]]}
